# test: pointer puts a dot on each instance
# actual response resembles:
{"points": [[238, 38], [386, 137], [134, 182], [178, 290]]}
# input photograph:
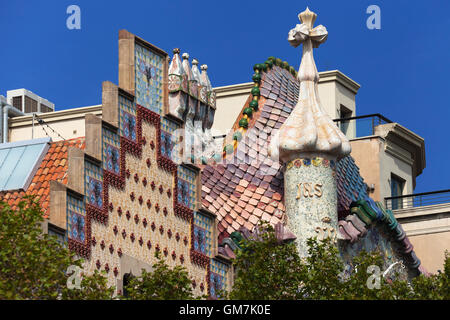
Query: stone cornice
{"points": [[235, 89], [324, 76], [407, 140], [67, 114], [338, 76]]}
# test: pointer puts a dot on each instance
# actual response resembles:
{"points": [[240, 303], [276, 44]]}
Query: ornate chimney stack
{"points": [[210, 145], [204, 77], [309, 144], [195, 71], [178, 86], [187, 66]]}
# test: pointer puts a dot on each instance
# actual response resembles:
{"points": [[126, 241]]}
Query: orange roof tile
{"points": [[53, 170]]}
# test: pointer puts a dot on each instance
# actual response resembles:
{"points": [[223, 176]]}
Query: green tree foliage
{"points": [[163, 283], [33, 265], [268, 270], [435, 287], [92, 287]]}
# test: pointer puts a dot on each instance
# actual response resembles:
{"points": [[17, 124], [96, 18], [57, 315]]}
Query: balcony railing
{"points": [[361, 126], [418, 200]]}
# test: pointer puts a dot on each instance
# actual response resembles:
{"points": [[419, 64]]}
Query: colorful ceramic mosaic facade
{"points": [[316, 162], [248, 189], [76, 219], [93, 184], [203, 233], [187, 187], [149, 73], [110, 151], [375, 239], [169, 139], [137, 200], [127, 118], [218, 277], [311, 208]]}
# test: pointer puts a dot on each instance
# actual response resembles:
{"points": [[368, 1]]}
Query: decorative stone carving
{"points": [[309, 143], [190, 114], [192, 100], [308, 130]]}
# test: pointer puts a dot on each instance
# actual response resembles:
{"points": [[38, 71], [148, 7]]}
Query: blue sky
{"points": [[403, 68]]}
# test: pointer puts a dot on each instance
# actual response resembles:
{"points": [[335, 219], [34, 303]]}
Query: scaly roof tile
{"points": [[52, 168], [258, 180]]}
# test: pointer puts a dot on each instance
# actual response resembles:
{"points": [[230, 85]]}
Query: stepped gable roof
{"points": [[53, 167], [249, 186]]}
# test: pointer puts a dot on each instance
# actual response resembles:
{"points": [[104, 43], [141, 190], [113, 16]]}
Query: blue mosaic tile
{"points": [[168, 129], [350, 184], [127, 118], [218, 277], [76, 219], [149, 75], [187, 187], [110, 151], [203, 233], [93, 184]]}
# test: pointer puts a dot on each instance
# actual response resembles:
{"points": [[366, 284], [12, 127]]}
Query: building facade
{"points": [[143, 172]]}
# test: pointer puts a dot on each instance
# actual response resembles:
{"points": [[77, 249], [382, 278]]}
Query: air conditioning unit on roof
{"points": [[29, 102]]}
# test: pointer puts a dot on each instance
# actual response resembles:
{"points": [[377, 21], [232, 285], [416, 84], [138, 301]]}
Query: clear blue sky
{"points": [[403, 68]]}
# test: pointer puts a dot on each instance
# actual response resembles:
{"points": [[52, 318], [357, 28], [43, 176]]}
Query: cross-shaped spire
{"points": [[311, 38], [309, 130]]}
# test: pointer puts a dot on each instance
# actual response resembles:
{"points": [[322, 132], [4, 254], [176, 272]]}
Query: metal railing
{"points": [[418, 200], [361, 126]]}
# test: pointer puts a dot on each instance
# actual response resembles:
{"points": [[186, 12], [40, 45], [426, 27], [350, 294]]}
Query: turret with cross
{"points": [[309, 144]]}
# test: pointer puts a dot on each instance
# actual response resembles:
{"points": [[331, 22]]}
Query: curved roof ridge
{"points": [[254, 104]]}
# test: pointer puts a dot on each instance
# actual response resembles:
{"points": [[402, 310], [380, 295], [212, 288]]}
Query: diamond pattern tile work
{"points": [[93, 184], [76, 219], [149, 79], [127, 118], [350, 184], [186, 187], [53, 168], [218, 277], [111, 151], [203, 232], [250, 186], [168, 139]]}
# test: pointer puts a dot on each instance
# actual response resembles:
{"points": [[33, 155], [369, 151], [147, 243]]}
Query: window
{"points": [[397, 185], [125, 282], [343, 114], [58, 232]]}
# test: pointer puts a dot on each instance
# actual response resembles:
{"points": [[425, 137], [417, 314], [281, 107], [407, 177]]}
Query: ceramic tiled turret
{"points": [[309, 143]]}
